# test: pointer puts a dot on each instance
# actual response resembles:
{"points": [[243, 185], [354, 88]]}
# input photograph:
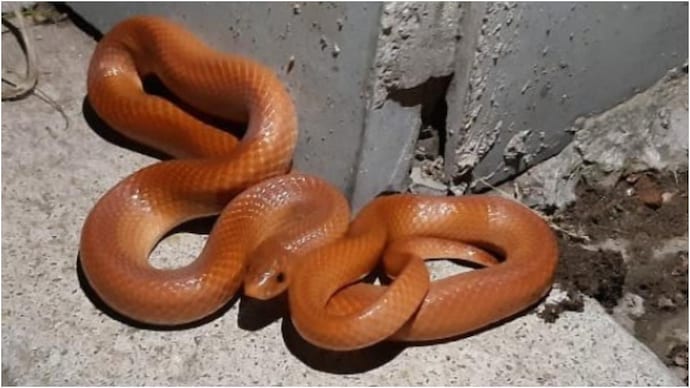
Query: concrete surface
{"points": [[54, 169], [537, 67]]}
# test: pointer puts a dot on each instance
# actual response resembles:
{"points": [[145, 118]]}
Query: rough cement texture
{"points": [[416, 42], [55, 166], [539, 66]]}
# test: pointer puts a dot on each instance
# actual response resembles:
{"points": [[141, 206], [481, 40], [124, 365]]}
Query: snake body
{"points": [[279, 230], [125, 224]]}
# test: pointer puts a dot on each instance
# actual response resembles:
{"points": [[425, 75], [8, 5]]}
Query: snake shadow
{"points": [[348, 362], [107, 133], [367, 359]]}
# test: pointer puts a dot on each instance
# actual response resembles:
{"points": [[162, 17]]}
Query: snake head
{"points": [[267, 275]]}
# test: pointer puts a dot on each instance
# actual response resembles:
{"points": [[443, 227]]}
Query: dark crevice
{"points": [[429, 149], [431, 95]]}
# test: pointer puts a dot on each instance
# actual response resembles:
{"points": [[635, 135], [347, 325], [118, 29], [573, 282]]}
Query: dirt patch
{"points": [[628, 250]]}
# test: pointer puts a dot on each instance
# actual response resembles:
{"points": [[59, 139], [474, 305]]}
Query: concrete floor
{"points": [[54, 169]]}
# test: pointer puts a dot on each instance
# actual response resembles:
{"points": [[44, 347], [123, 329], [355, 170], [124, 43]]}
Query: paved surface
{"points": [[55, 167]]}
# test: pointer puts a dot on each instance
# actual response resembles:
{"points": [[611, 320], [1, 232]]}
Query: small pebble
{"points": [[665, 303], [667, 197]]}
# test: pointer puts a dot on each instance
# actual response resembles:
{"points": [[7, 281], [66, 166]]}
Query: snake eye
{"points": [[280, 277]]}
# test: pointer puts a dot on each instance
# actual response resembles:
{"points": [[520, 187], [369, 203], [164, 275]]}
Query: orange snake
{"points": [[279, 230]]}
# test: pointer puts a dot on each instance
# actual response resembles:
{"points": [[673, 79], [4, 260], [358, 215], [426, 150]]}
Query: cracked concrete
{"points": [[54, 168]]}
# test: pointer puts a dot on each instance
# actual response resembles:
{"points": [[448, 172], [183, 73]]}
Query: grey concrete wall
{"points": [[514, 77], [538, 66]]}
